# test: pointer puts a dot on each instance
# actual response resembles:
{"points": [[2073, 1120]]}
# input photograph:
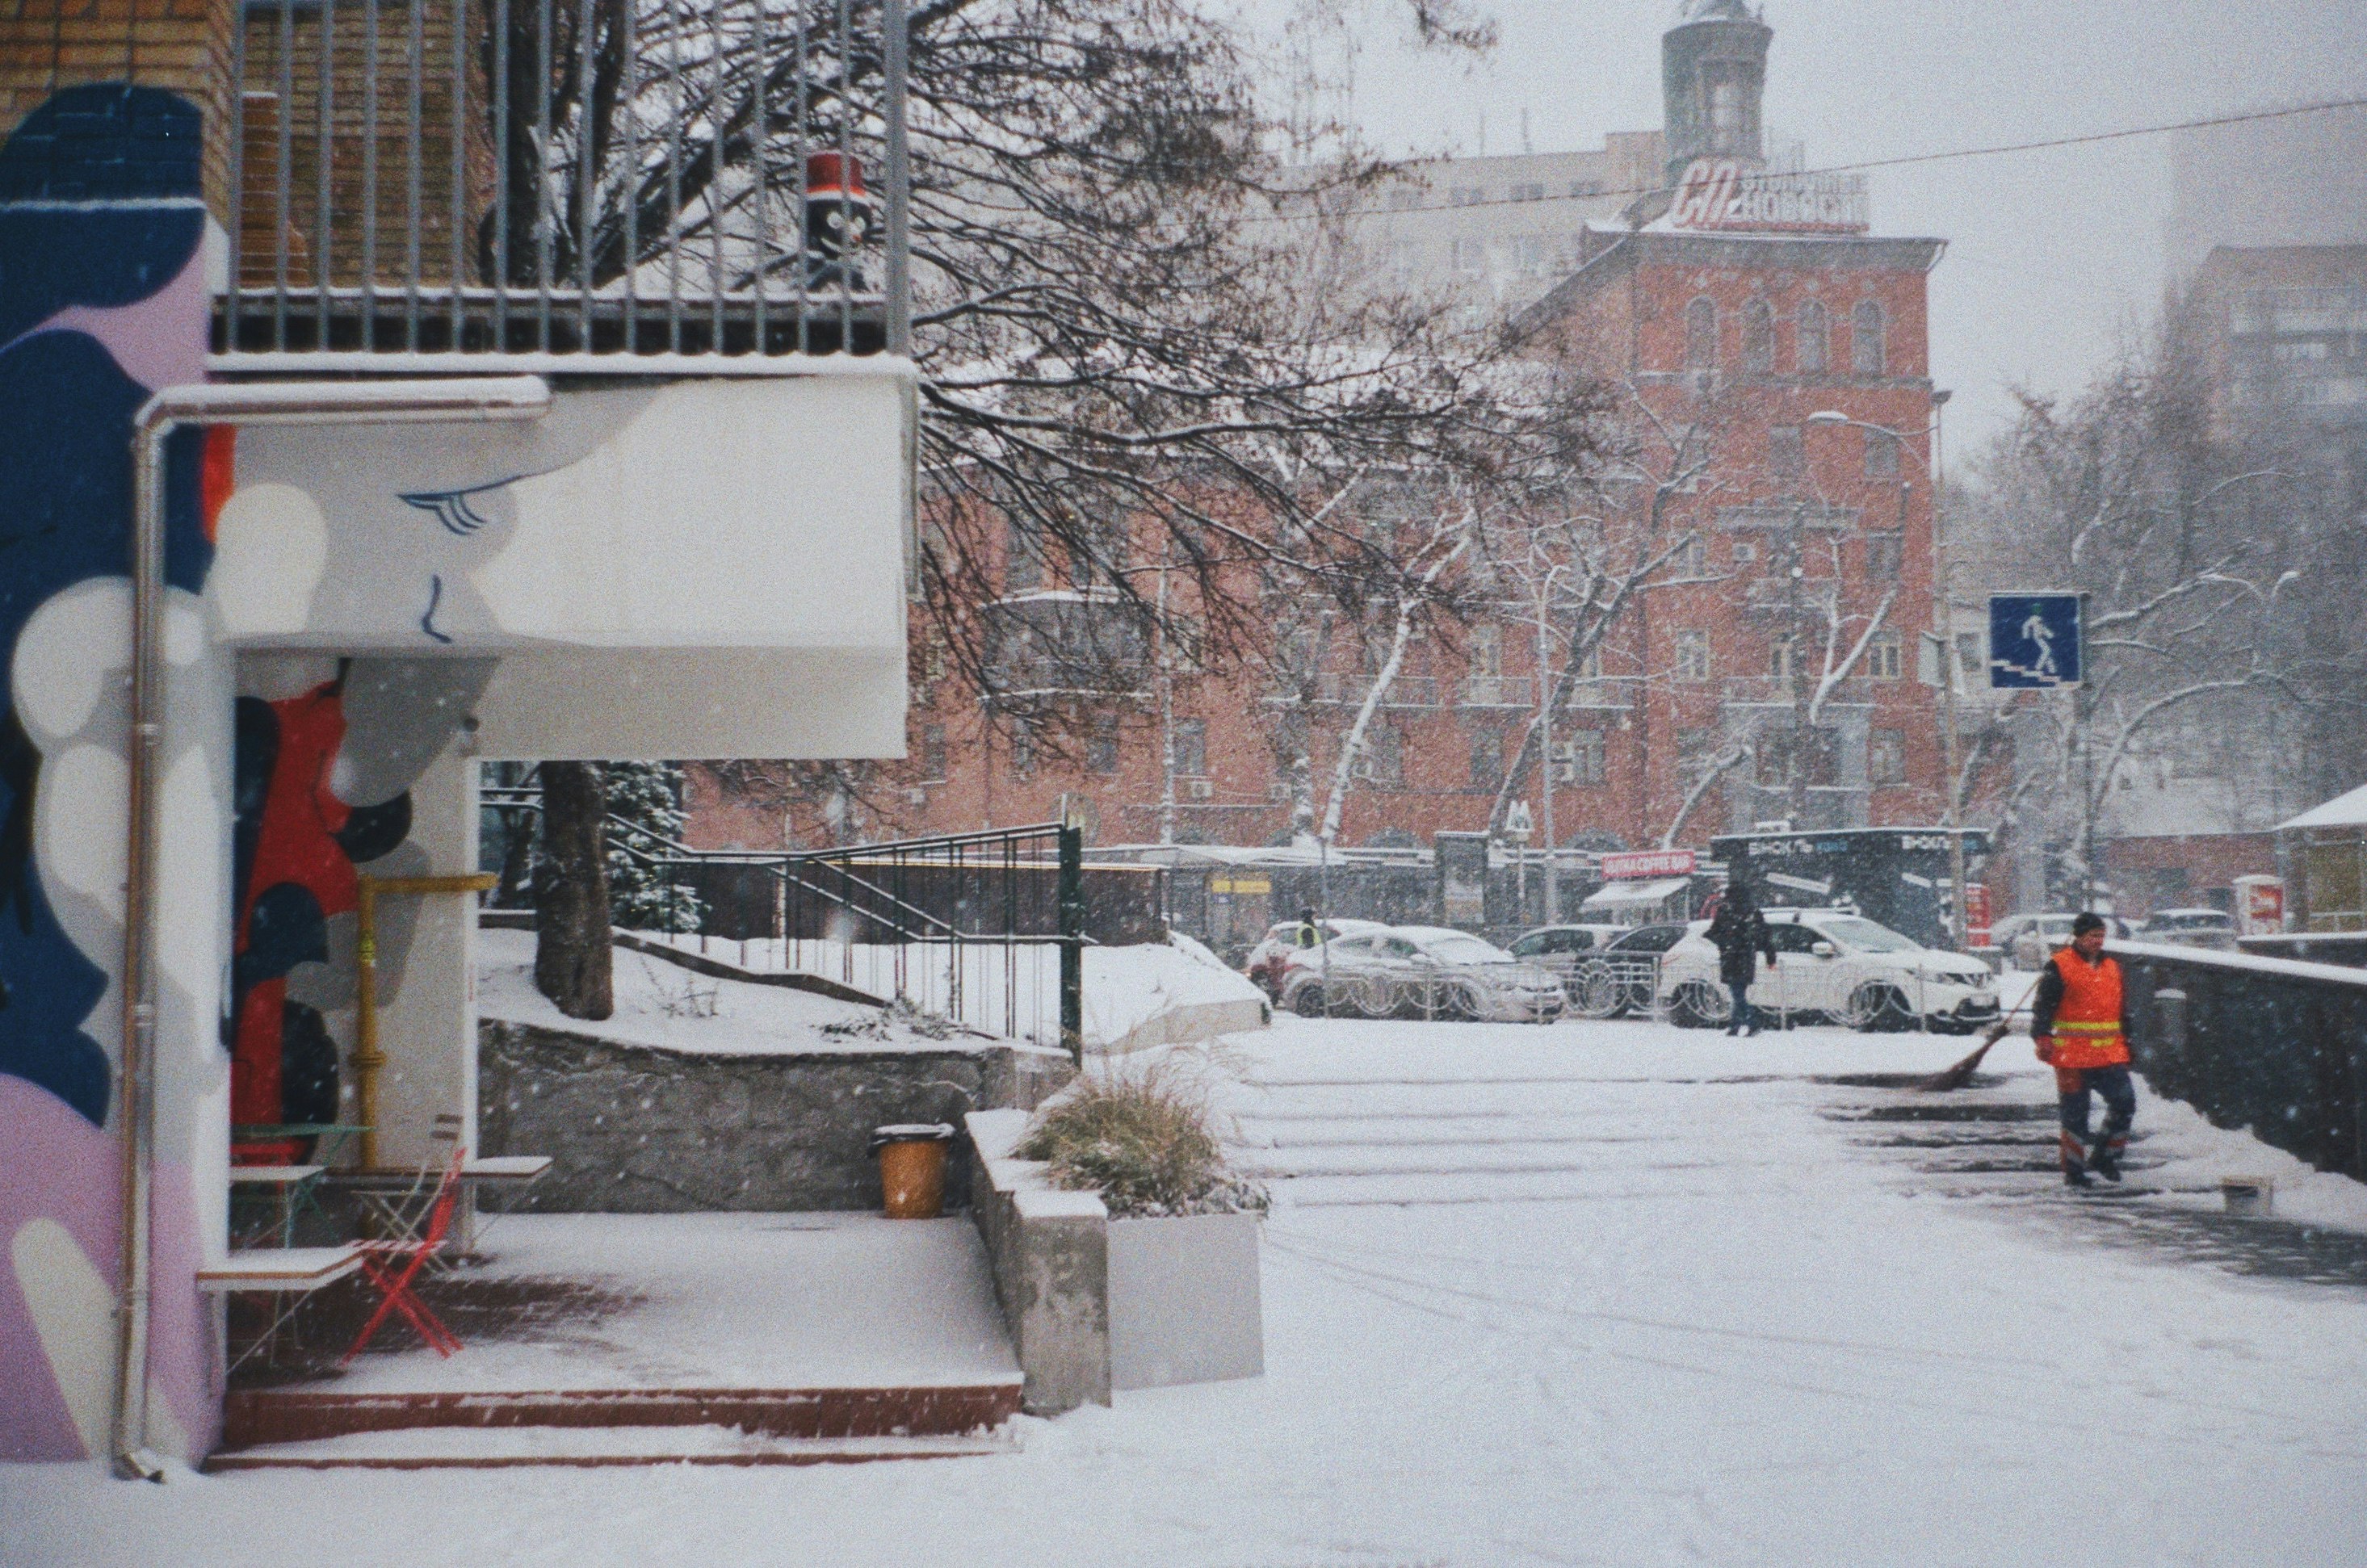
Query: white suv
{"points": [[1839, 966]]}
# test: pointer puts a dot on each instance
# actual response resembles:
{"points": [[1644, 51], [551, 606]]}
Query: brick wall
{"points": [[183, 46]]}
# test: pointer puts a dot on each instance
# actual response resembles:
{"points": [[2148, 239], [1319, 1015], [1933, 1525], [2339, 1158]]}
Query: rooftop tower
{"points": [[1712, 72]]}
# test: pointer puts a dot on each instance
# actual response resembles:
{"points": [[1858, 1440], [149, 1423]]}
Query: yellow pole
{"points": [[367, 1057]]}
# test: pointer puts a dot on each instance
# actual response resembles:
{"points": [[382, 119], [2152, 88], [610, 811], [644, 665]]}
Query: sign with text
{"points": [[2034, 641], [1644, 865], [1727, 194]]}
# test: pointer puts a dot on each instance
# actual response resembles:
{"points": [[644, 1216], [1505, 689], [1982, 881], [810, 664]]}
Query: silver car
{"points": [[1422, 972]]}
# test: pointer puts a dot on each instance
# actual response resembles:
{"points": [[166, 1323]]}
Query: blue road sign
{"points": [[2034, 640]]}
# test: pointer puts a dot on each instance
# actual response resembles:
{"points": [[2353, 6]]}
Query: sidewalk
{"points": [[1654, 1301]]}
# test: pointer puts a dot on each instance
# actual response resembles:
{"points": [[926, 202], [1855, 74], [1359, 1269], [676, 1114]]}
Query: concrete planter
{"points": [[1183, 1301]]}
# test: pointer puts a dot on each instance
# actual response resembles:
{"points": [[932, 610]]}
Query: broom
{"points": [[1960, 1073]]}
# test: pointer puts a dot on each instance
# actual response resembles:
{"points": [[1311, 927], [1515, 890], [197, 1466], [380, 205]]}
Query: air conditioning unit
{"points": [[1203, 789], [916, 795]]}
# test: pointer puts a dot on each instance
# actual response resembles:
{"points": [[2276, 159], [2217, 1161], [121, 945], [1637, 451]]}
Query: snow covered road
{"points": [[1591, 1294]]}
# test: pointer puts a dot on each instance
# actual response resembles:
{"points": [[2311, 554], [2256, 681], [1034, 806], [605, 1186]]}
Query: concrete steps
{"points": [[311, 1429]]}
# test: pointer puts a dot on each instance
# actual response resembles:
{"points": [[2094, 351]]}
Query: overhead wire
{"points": [[1860, 165]]}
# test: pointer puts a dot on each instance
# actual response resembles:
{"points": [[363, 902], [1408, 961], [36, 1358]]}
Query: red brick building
{"points": [[1772, 675]]}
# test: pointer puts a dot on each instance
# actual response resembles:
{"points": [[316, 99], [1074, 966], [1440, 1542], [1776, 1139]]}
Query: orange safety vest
{"points": [[2087, 1025]]}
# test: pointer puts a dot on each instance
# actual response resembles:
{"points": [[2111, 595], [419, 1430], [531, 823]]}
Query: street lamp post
{"points": [[1950, 795]]}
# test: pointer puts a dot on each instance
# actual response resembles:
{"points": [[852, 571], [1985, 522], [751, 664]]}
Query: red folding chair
{"points": [[390, 1266]]}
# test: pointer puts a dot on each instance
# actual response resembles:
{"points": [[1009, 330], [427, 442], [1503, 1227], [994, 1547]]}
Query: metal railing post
{"points": [[1073, 942]]}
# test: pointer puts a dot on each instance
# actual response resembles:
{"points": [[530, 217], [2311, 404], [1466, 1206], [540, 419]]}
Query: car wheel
{"points": [[1595, 992], [1878, 1008], [1697, 1004], [1308, 1003], [1460, 1004]]}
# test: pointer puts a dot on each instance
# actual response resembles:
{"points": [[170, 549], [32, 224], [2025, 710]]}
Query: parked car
{"points": [[1275, 949], [1839, 967], [1560, 948], [1420, 972], [2191, 928], [2029, 941], [1623, 975]]}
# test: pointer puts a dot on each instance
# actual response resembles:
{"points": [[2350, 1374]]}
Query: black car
{"points": [[1623, 975]]}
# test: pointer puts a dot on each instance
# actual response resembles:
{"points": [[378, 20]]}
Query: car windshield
{"points": [[1867, 937], [1466, 950]]}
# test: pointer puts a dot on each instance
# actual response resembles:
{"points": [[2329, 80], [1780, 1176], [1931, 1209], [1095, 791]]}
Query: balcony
{"points": [[506, 180]]}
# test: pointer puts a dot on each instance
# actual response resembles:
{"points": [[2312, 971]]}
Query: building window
{"points": [[1022, 566], [1701, 335], [1487, 760], [1818, 758], [1758, 338], [1886, 757], [1486, 650], [1528, 193], [1191, 747], [1745, 551], [1866, 354], [1466, 196], [1784, 657], [1470, 256], [1787, 452], [1022, 752], [1884, 657], [1692, 656], [1882, 554], [1577, 758], [1816, 340], [1101, 746], [933, 753], [1691, 557], [1881, 455], [1586, 187], [1381, 761]]}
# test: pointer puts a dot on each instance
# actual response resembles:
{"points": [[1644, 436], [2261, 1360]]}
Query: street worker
{"points": [[1739, 933], [1309, 934], [2080, 1021]]}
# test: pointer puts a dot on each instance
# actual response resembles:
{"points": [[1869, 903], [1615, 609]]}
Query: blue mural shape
{"points": [[65, 466]]}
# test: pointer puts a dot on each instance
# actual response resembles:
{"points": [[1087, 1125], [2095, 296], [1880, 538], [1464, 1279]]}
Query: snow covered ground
{"points": [[1001, 988], [1602, 1294]]}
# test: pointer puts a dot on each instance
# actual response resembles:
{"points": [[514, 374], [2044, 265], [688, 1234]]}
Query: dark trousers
{"points": [[1744, 1016], [2075, 1085]]}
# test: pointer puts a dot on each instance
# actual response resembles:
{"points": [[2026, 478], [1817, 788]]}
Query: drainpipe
{"points": [[461, 399]]}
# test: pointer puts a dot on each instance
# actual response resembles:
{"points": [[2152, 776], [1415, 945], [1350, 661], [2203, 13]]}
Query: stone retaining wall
{"points": [[639, 1129]]}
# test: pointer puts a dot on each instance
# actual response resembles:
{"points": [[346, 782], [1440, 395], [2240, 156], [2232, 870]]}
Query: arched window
{"points": [[1865, 339], [1758, 338], [1816, 339], [1701, 335]]}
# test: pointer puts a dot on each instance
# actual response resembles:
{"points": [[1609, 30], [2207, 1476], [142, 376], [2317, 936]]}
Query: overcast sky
{"points": [[2052, 255]]}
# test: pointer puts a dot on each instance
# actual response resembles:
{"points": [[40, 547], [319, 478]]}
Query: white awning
{"points": [[1630, 894]]}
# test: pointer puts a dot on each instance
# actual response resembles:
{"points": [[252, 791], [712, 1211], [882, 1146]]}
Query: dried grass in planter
{"points": [[1143, 1140]]}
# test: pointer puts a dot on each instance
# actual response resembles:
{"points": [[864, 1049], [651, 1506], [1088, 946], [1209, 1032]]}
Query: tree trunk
{"points": [[571, 894]]}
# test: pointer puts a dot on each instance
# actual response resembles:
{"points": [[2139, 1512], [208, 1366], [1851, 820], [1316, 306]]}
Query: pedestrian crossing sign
{"points": [[2034, 640]]}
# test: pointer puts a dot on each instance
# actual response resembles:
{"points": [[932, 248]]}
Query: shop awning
{"points": [[1633, 895]]}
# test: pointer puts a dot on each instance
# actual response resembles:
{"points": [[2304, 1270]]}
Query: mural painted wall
{"points": [[102, 300]]}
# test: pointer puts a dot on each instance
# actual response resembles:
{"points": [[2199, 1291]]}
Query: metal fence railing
{"points": [[981, 932], [553, 176]]}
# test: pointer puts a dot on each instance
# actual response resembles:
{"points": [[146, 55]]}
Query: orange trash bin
{"points": [[912, 1168]]}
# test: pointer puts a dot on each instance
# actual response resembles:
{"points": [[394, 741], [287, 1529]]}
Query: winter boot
{"points": [[2074, 1152], [2074, 1177], [2105, 1161]]}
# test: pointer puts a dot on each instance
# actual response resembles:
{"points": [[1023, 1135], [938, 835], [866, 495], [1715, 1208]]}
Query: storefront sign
{"points": [[1257, 886], [1643, 865], [1724, 193]]}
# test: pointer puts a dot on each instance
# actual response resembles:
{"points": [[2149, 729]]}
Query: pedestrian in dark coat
{"points": [[1739, 933]]}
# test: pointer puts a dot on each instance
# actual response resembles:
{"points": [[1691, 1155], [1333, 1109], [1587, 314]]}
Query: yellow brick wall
{"points": [[181, 45]]}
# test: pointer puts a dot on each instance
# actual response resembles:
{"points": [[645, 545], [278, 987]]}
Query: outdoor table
{"points": [[394, 1195], [330, 1137], [288, 1183], [279, 1271]]}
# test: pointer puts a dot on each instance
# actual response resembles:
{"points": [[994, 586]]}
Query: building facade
{"points": [[1771, 676]]}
